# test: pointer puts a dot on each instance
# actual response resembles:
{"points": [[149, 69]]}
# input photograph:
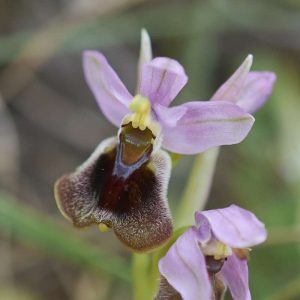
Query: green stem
{"points": [[141, 273], [198, 186], [194, 198]]}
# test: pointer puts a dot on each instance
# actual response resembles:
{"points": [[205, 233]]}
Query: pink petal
{"points": [[169, 115], [204, 233], [161, 80], [257, 88], [145, 49], [197, 126], [235, 226], [145, 53], [111, 95], [184, 267], [234, 275], [231, 89]]}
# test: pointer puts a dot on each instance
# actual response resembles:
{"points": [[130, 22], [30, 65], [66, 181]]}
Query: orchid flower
{"points": [[123, 184], [211, 256]]}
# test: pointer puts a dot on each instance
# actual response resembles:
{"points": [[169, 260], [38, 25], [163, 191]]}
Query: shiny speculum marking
{"points": [[121, 178], [135, 145]]}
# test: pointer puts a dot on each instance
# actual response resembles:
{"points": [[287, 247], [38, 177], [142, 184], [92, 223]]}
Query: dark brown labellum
{"points": [[122, 185]]}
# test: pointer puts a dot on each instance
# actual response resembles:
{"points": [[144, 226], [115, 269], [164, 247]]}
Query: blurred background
{"points": [[50, 123]]}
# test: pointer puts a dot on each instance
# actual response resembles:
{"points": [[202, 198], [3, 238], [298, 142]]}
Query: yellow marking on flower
{"points": [[222, 250], [103, 228], [142, 112]]}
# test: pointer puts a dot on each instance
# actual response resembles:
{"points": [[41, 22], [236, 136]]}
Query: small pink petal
{"points": [[184, 267], [235, 226], [145, 53], [257, 88], [146, 48], [111, 95], [197, 126], [204, 233], [161, 80], [234, 275], [231, 89]]}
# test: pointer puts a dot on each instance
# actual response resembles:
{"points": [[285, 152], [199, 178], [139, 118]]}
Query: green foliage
{"points": [[39, 231]]}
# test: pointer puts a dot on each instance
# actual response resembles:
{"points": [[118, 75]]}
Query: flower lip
{"points": [[134, 206]]}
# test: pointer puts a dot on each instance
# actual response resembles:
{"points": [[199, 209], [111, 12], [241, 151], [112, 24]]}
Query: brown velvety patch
{"points": [[129, 199], [144, 221], [74, 198]]}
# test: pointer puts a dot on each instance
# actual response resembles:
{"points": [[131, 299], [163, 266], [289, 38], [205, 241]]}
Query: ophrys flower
{"points": [[123, 184], [212, 255]]}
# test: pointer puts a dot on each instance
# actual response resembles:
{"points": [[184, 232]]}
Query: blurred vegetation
{"points": [[49, 123]]}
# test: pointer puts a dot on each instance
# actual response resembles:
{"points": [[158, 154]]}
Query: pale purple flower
{"points": [[192, 127], [212, 251], [189, 128], [123, 184]]}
